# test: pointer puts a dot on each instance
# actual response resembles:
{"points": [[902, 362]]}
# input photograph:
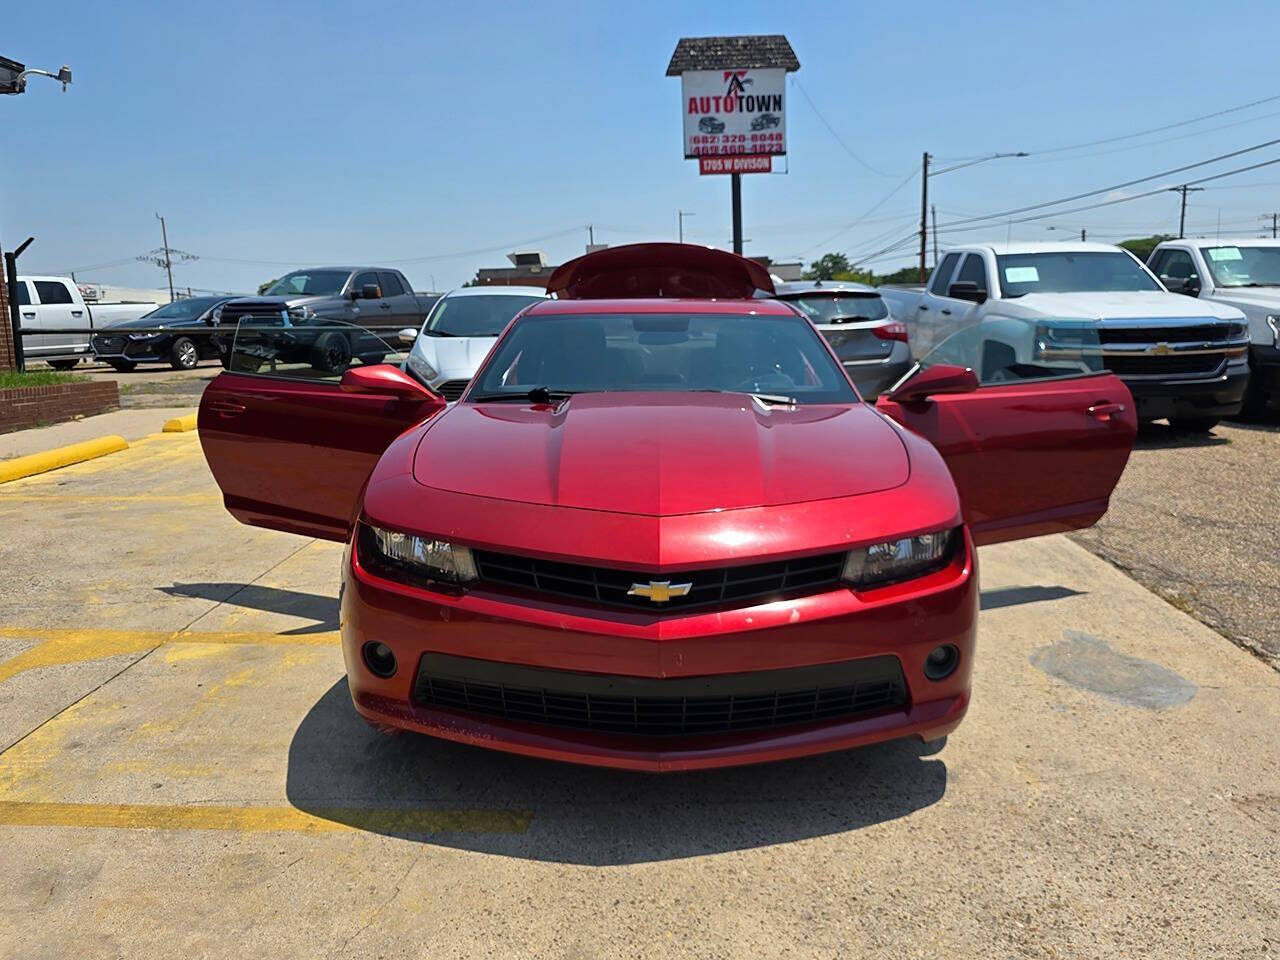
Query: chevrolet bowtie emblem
{"points": [[659, 591], [1162, 349]]}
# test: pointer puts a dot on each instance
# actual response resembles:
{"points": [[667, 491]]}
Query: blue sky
{"points": [[293, 133]]}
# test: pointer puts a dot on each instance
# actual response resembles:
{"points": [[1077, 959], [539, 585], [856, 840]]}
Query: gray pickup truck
{"points": [[320, 312]]}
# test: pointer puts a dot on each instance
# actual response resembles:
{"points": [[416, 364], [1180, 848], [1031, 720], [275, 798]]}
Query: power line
{"points": [[832, 130], [1118, 186], [1168, 126], [870, 210]]}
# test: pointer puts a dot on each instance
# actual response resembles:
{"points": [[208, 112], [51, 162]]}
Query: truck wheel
{"points": [[1193, 424], [331, 354], [123, 366], [184, 354], [63, 364]]}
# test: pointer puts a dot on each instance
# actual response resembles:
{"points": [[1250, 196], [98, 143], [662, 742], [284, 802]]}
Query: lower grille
{"points": [[451, 390], [756, 582], [681, 706], [1168, 365], [1202, 332]]}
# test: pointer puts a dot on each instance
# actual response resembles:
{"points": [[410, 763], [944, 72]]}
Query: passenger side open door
{"points": [[1037, 450], [291, 448]]}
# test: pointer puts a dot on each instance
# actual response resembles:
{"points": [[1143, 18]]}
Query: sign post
{"points": [[733, 96]]}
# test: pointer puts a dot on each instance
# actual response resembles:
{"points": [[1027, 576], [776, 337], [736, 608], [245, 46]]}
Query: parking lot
{"points": [[182, 774]]}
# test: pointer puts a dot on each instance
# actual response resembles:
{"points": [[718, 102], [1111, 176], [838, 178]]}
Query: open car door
{"points": [[1035, 443], [292, 446]]}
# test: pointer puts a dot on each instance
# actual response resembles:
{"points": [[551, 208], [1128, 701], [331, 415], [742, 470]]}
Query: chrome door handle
{"points": [[77, 313], [29, 316], [1105, 411]]}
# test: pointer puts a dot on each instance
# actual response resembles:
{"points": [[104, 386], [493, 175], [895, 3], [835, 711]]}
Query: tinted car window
{"points": [[24, 297], [314, 283], [974, 270], [187, 309], [391, 285], [477, 316], [53, 291], [370, 277], [664, 352], [822, 307], [942, 275]]}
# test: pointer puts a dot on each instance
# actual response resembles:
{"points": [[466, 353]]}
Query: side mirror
{"points": [[407, 335], [967, 290], [1191, 287], [936, 380], [370, 291], [387, 380]]}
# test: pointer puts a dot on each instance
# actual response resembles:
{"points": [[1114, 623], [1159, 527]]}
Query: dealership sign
{"points": [[734, 113]]}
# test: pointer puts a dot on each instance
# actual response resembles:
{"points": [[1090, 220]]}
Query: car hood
{"points": [[1138, 305], [660, 454], [1248, 298], [454, 357], [153, 322]]}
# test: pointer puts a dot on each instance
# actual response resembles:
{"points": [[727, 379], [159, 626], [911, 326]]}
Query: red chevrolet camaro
{"points": [[660, 530]]}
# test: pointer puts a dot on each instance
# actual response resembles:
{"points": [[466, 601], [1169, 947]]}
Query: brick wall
{"points": [[7, 361], [23, 407]]}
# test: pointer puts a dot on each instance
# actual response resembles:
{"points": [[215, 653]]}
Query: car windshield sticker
{"points": [[1021, 275], [1219, 254]]}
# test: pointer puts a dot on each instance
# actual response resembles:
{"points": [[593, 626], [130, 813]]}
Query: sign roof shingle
{"points": [[716, 53]]}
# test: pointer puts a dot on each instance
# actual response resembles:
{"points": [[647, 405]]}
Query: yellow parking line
{"points": [[133, 816], [47, 460], [58, 647]]}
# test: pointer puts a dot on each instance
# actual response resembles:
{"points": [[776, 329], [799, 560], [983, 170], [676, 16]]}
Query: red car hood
{"points": [[660, 454]]}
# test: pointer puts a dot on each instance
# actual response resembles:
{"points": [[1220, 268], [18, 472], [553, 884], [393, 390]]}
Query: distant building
{"points": [[781, 269], [529, 268]]}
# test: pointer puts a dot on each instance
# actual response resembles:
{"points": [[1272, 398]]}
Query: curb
{"points": [[180, 424], [34, 463]]}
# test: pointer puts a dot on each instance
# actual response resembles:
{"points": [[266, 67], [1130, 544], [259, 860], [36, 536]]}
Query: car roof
{"points": [[496, 290], [1038, 246], [774, 308], [1228, 241], [798, 287]]}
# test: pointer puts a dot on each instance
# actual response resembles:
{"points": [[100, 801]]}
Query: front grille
{"points": [[1197, 333], [451, 390], [108, 344], [755, 582], [661, 707], [233, 313], [1169, 365]]}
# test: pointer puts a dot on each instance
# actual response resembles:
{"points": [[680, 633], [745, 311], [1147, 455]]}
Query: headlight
{"points": [[419, 366], [1273, 322], [142, 336], [411, 559], [302, 312], [895, 560]]}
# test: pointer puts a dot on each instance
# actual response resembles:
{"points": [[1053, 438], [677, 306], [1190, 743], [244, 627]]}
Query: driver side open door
{"points": [[291, 448]]}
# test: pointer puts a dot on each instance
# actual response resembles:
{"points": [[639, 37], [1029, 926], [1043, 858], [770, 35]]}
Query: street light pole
{"points": [[680, 215], [168, 261]]}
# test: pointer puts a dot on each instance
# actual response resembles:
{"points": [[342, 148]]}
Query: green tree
{"points": [[1141, 247], [829, 266], [907, 275]]}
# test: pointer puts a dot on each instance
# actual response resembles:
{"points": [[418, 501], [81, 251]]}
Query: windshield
{"points": [[478, 316], [1101, 272], [314, 283], [1243, 266], [187, 309], [665, 352], [823, 307]]}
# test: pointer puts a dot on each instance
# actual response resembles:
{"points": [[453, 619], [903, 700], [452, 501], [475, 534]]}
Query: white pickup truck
{"points": [[1093, 302], [1244, 274], [52, 303]]}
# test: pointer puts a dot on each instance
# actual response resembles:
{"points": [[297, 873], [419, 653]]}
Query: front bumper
{"points": [[903, 621], [1265, 364], [1219, 396]]}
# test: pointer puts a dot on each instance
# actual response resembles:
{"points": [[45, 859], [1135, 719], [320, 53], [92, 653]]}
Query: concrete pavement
{"points": [[181, 774]]}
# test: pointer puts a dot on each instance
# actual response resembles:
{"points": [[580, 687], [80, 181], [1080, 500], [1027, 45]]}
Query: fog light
{"points": [[941, 662], [380, 660]]}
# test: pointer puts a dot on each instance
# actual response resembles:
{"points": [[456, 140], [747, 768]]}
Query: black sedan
{"points": [[183, 348]]}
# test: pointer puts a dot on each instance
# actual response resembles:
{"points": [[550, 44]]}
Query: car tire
{"points": [[184, 354], [63, 364], [122, 366], [331, 353], [1193, 424]]}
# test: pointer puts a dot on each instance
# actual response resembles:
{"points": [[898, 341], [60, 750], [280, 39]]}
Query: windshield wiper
{"points": [[439, 333], [536, 395], [765, 399]]}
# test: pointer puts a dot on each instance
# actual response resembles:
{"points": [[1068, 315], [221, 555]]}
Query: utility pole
{"points": [[1182, 218], [680, 215], [933, 212], [1082, 234], [1275, 218], [924, 210], [591, 235], [168, 261]]}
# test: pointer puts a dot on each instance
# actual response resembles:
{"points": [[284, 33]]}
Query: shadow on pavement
{"points": [[341, 770], [1015, 596], [1161, 436], [294, 603]]}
